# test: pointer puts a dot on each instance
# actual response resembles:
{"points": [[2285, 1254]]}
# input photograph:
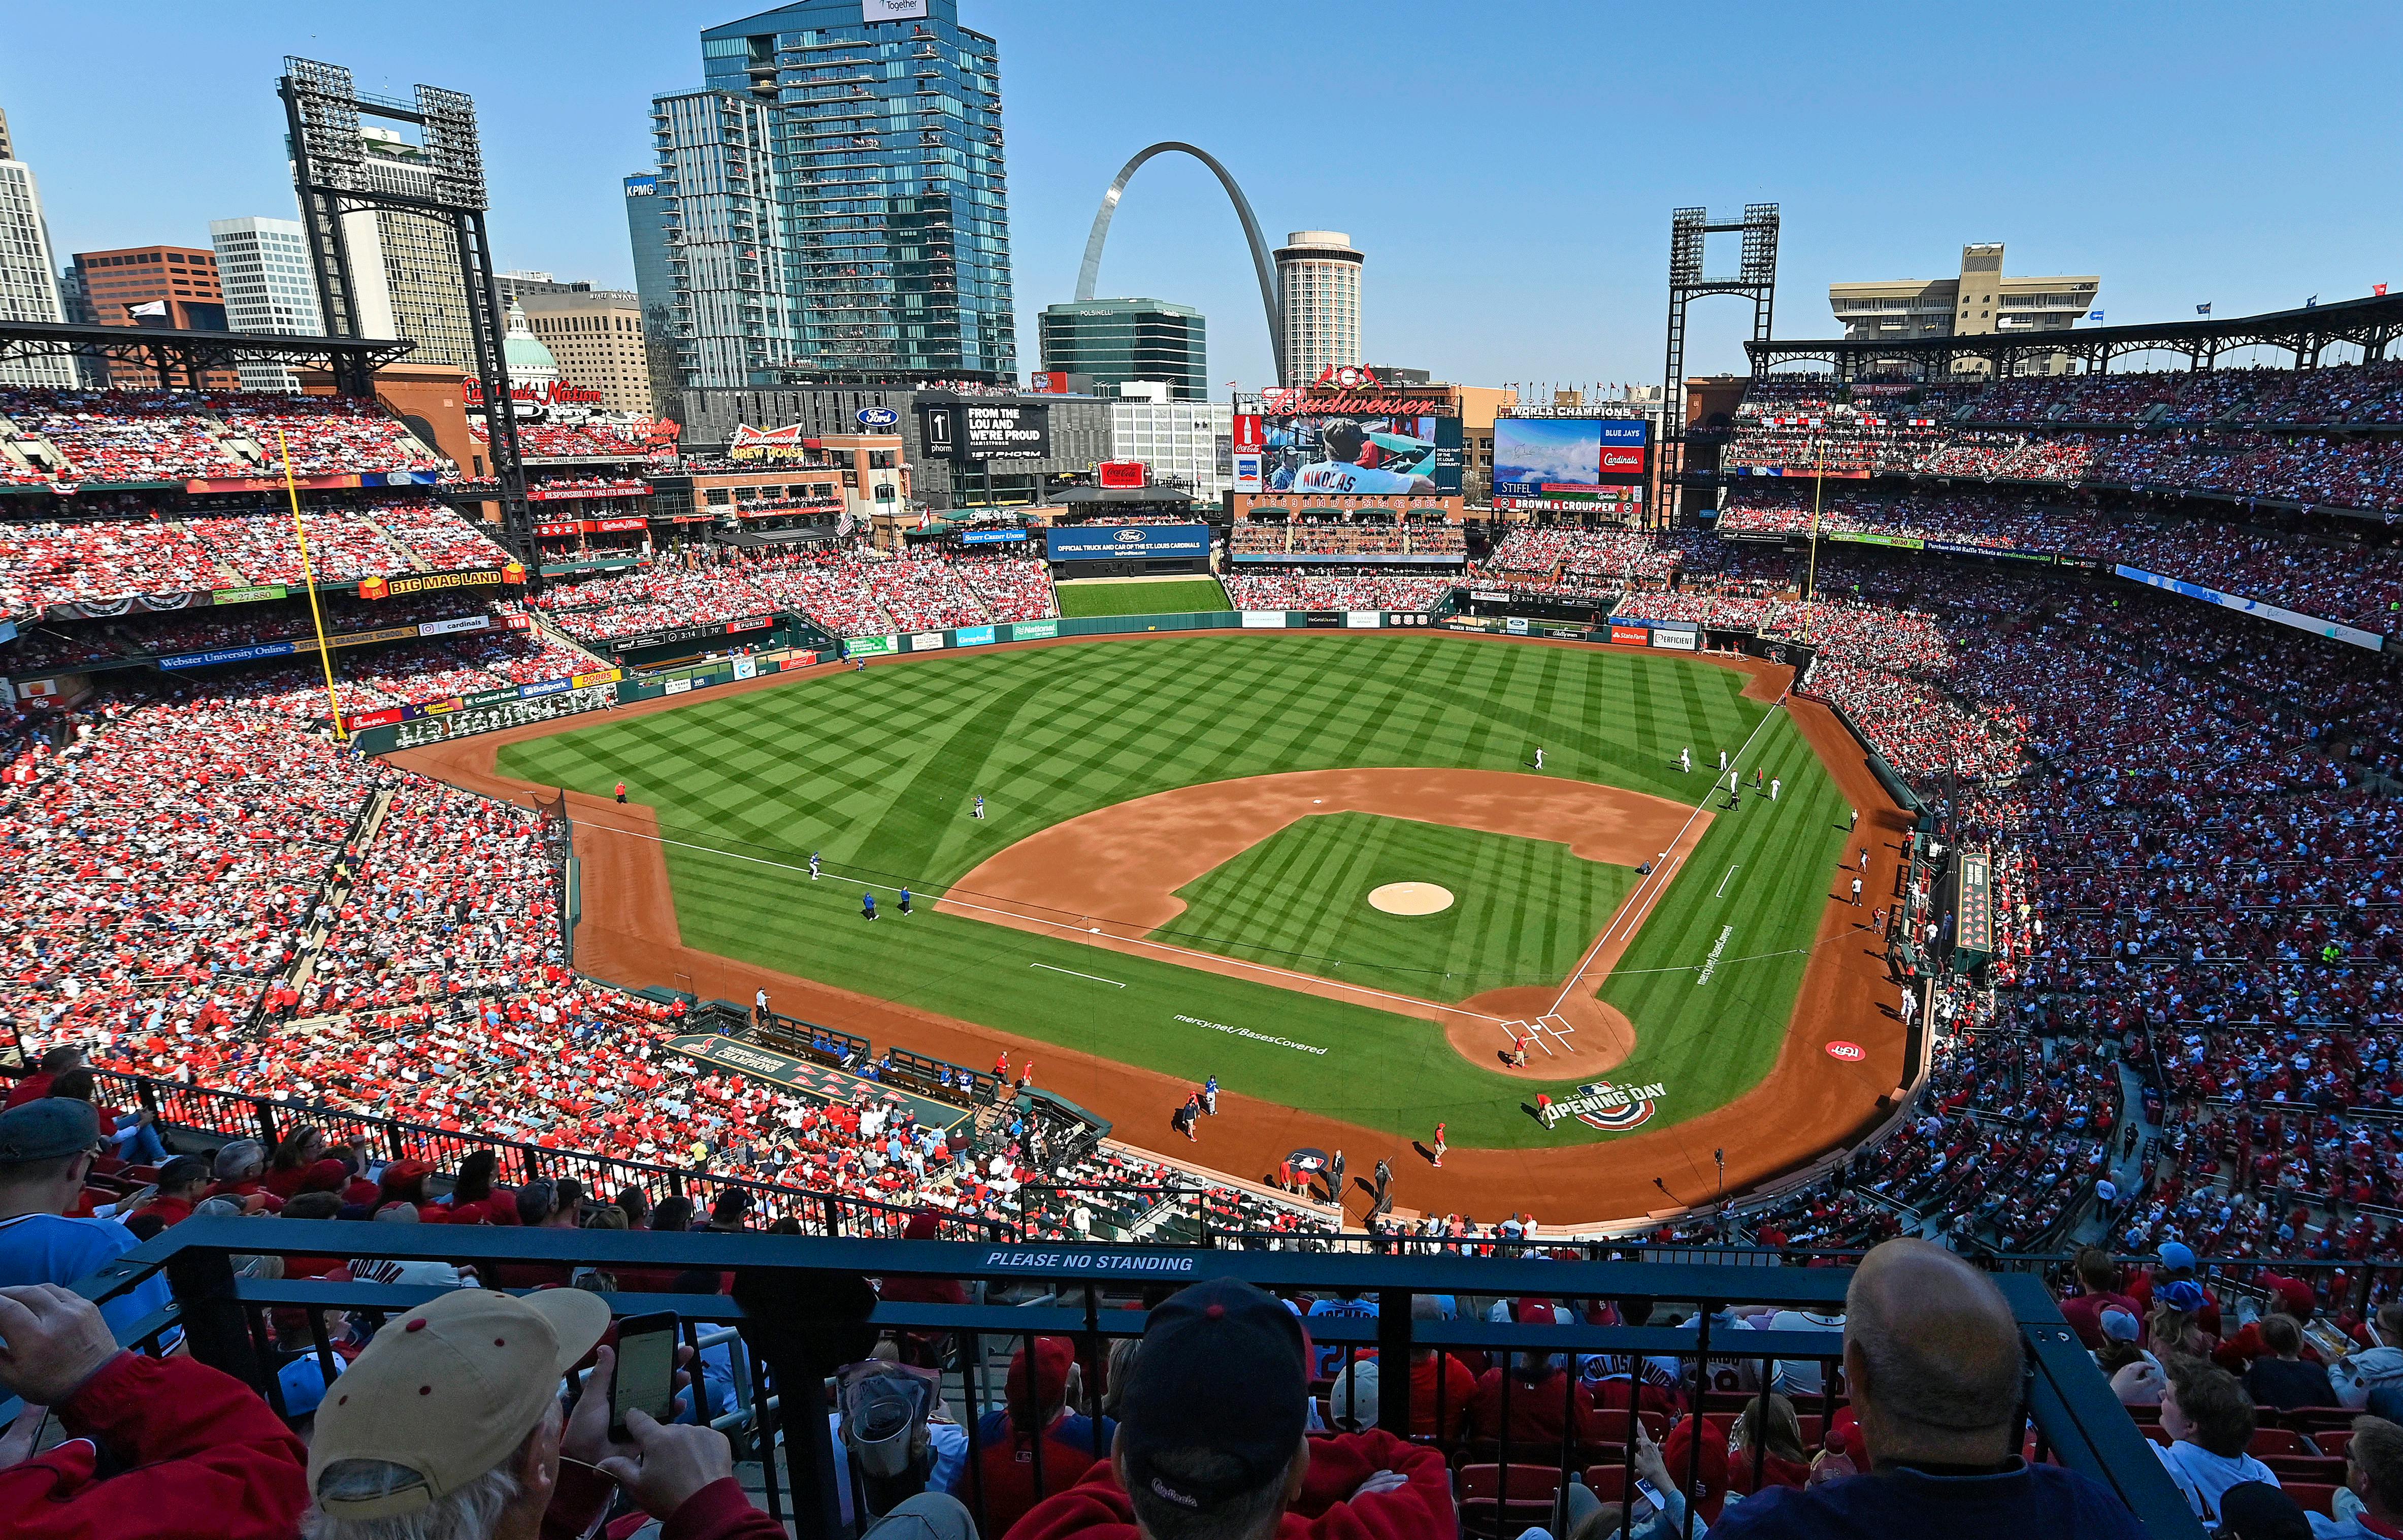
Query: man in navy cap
{"points": [[46, 1148], [1210, 1443]]}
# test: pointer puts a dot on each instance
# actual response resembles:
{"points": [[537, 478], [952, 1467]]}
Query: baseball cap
{"points": [[449, 1389], [1221, 1370], [1353, 1402], [1052, 1356], [46, 1129], [2118, 1325], [2255, 1510], [2177, 1256], [2296, 1295], [403, 1171], [2180, 1294], [326, 1175]]}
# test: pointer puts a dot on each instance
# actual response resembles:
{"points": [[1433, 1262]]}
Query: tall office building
{"points": [[1188, 441], [596, 336], [1114, 341], [263, 269], [405, 265], [714, 237], [29, 283], [863, 142], [174, 287], [1981, 302], [515, 285], [1318, 288]]}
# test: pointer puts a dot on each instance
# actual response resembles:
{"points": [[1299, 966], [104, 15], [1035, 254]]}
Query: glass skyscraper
{"points": [[1115, 340], [876, 242]]}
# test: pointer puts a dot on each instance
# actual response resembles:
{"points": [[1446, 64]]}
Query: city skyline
{"points": [[1516, 213]]}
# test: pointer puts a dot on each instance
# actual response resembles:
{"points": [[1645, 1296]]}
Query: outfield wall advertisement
{"points": [[1120, 542], [2237, 602]]}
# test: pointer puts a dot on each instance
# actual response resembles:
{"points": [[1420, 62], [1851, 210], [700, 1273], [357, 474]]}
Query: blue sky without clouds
{"points": [[1508, 169]]}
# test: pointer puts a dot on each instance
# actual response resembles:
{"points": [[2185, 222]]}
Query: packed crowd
{"points": [[1336, 540], [2340, 393], [1567, 553], [849, 592], [123, 436], [48, 562], [1316, 590]]}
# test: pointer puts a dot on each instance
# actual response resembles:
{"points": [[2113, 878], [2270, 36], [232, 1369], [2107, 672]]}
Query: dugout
{"points": [[939, 1077]]}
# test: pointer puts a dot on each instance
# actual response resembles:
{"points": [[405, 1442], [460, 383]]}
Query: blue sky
{"points": [[1509, 170]]}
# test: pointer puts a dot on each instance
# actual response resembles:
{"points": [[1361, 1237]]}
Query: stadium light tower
{"points": [[334, 176], [1756, 279]]}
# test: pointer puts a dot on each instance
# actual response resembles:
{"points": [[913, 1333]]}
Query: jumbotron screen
{"points": [[1347, 455], [1568, 461]]}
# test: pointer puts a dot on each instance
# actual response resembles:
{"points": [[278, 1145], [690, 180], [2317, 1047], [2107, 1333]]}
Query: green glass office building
{"points": [[1114, 341]]}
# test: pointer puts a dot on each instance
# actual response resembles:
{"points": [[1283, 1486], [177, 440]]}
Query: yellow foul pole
{"points": [[309, 579]]}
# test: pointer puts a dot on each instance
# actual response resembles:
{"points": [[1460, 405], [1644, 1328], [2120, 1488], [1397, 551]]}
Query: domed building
{"points": [[532, 366]]}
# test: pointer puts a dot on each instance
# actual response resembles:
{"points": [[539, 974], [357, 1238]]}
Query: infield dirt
{"points": [[1807, 1102]]}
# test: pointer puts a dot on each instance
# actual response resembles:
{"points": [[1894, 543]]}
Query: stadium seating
{"points": [[850, 595]]}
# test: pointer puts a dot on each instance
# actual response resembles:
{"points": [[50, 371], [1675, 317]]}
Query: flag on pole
{"points": [[2094, 315], [2202, 310], [2378, 288], [2312, 301]]}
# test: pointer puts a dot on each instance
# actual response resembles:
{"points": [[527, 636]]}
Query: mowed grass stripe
{"points": [[822, 764], [1168, 596]]}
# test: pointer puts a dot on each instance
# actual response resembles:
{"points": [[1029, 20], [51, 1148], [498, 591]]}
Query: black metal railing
{"points": [[2067, 1413], [230, 1116]]}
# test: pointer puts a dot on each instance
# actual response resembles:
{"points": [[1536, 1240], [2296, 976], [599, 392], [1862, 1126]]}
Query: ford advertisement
{"points": [[1119, 542]]}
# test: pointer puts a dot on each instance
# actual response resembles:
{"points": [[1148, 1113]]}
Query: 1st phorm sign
{"points": [[1074, 1262]]}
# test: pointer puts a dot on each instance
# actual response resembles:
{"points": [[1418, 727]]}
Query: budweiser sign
{"points": [[750, 443]]}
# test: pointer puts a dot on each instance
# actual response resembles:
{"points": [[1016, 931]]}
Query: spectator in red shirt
{"points": [[300, 1149], [403, 1182], [1431, 1369], [240, 1168], [1216, 1404], [197, 1452], [181, 1183], [1544, 1410], [1042, 1411], [2099, 1276], [52, 1064]]}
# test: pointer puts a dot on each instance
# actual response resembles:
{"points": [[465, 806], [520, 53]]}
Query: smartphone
{"points": [[646, 1354], [1646, 1494]]}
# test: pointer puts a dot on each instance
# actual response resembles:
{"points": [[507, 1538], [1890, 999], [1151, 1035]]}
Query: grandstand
{"points": [[2126, 649]]}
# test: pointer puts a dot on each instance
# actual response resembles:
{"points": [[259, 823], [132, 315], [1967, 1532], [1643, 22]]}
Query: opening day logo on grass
{"points": [[1613, 1109]]}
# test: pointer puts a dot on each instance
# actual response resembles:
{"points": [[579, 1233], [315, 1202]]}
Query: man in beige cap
{"points": [[454, 1408], [451, 1420]]}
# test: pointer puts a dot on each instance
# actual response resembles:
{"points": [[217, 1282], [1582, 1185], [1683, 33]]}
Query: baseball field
{"points": [[1181, 842]]}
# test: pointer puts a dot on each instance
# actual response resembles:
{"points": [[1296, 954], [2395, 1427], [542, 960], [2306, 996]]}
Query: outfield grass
{"points": [[1166, 596], [1523, 910], [876, 770]]}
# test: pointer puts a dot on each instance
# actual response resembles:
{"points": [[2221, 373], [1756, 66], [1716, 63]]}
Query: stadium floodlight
{"points": [[451, 147], [326, 108], [1756, 279]]}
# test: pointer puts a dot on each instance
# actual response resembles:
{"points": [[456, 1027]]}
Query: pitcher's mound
{"points": [[1411, 898]]}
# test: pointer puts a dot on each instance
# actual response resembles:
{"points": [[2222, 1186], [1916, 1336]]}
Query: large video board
{"points": [[1568, 461]]}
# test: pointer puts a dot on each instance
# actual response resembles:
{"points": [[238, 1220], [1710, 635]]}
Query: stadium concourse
{"points": [[2193, 995]]}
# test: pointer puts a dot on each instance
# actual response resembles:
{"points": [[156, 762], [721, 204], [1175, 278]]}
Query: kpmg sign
{"points": [[1154, 542]]}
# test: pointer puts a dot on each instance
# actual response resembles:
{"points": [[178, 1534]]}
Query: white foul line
{"points": [[1652, 887], [1723, 881], [1074, 973]]}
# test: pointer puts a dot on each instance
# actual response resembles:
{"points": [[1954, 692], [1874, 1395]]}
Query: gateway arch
{"points": [[1262, 263]]}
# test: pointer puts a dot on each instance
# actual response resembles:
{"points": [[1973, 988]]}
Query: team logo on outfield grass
{"points": [[1613, 1109]]}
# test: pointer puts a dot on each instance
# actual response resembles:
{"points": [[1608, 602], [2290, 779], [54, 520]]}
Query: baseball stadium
{"points": [[588, 873]]}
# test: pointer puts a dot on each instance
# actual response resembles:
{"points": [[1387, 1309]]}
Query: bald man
{"points": [[1932, 1355]]}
